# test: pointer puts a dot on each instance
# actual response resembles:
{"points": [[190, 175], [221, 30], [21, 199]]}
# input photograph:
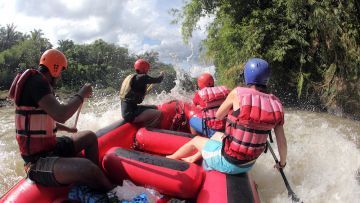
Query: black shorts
{"points": [[130, 111], [40, 167], [64, 147]]}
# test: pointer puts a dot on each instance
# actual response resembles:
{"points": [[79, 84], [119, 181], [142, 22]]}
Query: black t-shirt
{"points": [[34, 89]]}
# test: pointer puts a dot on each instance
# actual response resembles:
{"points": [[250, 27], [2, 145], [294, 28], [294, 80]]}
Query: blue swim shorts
{"points": [[196, 124], [213, 160]]}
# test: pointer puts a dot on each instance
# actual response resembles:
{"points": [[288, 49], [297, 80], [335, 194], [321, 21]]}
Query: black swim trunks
{"points": [[40, 168], [130, 111]]}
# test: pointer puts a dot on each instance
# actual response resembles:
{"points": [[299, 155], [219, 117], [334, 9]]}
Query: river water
{"points": [[323, 152]]}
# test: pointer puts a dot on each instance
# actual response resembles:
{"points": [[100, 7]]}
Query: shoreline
{"points": [[4, 100]]}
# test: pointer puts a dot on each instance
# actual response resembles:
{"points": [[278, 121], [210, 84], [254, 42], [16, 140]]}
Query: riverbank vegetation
{"points": [[100, 63], [313, 47]]}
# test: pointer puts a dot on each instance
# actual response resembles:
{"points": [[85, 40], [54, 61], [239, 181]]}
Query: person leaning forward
{"points": [[132, 93], [51, 160]]}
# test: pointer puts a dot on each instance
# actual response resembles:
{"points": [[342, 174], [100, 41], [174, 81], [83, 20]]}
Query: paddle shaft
{"points": [[290, 191], [149, 88], [77, 115]]}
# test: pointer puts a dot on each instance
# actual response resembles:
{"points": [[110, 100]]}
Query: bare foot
{"points": [[189, 159]]}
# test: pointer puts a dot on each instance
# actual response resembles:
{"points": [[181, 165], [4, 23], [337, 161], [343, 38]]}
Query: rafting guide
{"points": [[132, 93]]}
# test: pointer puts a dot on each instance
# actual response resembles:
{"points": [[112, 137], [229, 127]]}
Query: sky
{"points": [[139, 25]]}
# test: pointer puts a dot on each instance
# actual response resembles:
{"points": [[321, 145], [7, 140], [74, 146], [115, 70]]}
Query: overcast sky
{"points": [[140, 25]]}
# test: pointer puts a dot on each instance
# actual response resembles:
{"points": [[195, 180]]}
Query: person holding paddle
{"points": [[50, 160], [132, 93], [251, 113]]}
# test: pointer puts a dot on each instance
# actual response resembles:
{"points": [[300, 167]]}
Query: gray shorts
{"points": [[41, 168], [42, 172]]}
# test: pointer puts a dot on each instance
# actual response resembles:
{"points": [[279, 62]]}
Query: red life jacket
{"points": [[248, 128], [212, 98], [35, 129]]}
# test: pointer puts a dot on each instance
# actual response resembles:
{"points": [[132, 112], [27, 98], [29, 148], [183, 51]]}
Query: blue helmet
{"points": [[256, 71]]}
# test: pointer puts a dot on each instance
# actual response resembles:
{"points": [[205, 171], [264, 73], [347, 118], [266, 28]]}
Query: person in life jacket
{"points": [[51, 160], [132, 93], [251, 114], [208, 99]]}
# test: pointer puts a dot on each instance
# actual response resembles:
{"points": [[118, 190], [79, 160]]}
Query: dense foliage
{"points": [[313, 46], [100, 63]]}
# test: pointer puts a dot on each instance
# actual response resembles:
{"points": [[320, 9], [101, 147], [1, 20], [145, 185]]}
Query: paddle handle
{"points": [[77, 115]]}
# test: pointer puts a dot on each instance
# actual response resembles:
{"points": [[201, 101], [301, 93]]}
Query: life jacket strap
{"points": [[28, 112], [270, 137], [266, 147], [27, 130], [209, 108], [241, 127], [210, 118], [230, 158], [247, 144], [204, 127], [31, 132]]}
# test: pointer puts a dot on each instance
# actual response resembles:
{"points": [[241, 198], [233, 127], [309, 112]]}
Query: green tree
{"points": [[9, 37], [103, 64], [65, 45], [24, 55], [312, 46]]}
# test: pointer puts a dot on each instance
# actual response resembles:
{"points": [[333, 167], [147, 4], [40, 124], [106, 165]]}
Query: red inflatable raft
{"points": [[135, 153]]}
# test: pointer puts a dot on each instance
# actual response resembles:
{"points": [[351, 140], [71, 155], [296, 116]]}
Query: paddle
{"points": [[290, 191], [77, 115], [149, 88]]}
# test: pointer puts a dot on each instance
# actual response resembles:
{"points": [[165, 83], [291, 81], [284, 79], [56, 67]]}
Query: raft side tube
{"points": [[183, 134], [167, 176], [119, 134], [159, 141], [27, 191], [225, 188]]}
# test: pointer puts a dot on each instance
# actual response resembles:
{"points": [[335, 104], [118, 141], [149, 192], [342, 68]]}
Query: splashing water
{"points": [[323, 160], [323, 151]]}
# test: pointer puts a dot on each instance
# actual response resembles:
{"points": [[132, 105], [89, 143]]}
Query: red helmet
{"points": [[205, 80], [142, 66], [54, 60]]}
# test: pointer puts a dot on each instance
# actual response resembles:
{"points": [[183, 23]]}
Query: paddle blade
{"points": [[294, 198]]}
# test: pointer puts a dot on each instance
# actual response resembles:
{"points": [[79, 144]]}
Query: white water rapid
{"points": [[323, 151]]}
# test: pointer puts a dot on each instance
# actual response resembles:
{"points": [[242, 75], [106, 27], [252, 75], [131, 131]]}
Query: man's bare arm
{"points": [[281, 142], [62, 112], [59, 112]]}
